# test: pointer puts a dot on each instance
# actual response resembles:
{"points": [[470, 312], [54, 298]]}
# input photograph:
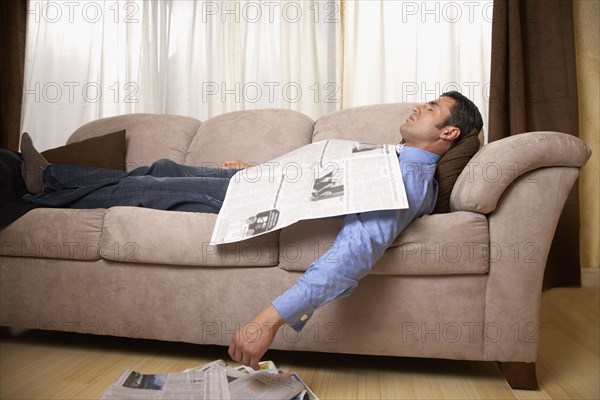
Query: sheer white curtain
{"points": [[92, 59], [412, 51]]}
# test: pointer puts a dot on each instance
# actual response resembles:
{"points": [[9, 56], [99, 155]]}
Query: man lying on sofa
{"points": [[429, 132]]}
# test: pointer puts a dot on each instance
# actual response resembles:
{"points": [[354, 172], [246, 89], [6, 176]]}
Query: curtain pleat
{"points": [[13, 18], [534, 88], [407, 51], [195, 58]]}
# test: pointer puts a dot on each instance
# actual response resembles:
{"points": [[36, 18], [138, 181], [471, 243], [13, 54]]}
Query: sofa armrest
{"points": [[498, 164], [521, 231]]}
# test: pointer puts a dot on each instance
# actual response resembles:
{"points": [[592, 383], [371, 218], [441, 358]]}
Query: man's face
{"points": [[420, 126]]}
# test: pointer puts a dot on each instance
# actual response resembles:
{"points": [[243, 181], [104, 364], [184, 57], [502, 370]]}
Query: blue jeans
{"points": [[164, 185]]}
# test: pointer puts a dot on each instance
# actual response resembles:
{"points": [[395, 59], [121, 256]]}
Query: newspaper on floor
{"points": [[306, 394], [199, 385], [210, 381], [266, 383], [322, 179]]}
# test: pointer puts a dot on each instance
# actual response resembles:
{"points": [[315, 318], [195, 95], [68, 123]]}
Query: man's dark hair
{"points": [[464, 114]]}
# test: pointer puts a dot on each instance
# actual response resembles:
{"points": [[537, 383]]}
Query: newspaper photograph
{"points": [[322, 179]]}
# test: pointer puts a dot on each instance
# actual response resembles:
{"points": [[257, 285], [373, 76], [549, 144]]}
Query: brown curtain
{"points": [[534, 87], [13, 19]]}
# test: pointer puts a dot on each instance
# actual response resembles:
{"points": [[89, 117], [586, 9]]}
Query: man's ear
{"points": [[450, 132]]}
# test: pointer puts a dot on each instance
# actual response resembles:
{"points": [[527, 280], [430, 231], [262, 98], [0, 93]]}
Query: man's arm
{"points": [[361, 242]]}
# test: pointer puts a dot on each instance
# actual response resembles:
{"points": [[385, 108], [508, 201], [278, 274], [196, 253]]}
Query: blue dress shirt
{"points": [[363, 239]]}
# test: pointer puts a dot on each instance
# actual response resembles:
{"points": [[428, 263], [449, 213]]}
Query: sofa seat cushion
{"points": [[143, 235], [54, 233], [441, 244]]}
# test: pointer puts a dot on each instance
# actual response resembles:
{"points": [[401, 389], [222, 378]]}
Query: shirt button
{"points": [[304, 317]]}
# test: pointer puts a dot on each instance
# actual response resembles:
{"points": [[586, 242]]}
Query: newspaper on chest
{"points": [[322, 179]]}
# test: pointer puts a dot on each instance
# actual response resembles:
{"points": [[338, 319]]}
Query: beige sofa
{"points": [[463, 285]]}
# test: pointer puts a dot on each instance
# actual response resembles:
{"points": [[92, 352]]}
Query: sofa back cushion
{"points": [[372, 124], [252, 136]]}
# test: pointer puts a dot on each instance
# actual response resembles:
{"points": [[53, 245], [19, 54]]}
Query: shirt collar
{"points": [[410, 153]]}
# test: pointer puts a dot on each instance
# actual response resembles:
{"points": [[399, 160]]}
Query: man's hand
{"points": [[253, 339], [234, 164]]}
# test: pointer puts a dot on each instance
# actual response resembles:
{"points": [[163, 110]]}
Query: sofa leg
{"points": [[519, 375]]}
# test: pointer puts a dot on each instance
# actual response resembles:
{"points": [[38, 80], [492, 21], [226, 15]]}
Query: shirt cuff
{"points": [[294, 308]]}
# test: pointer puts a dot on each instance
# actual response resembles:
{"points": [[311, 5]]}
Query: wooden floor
{"points": [[51, 365]]}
